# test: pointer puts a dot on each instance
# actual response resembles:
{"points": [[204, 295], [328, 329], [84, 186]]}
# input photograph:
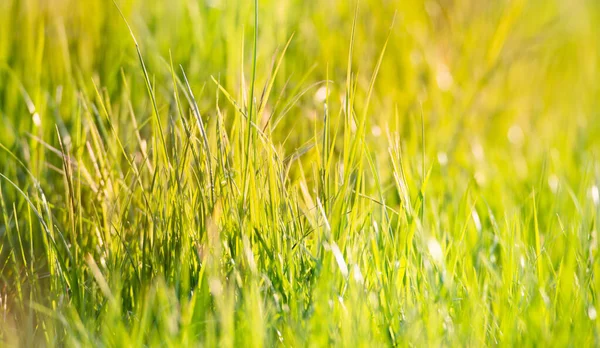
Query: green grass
{"points": [[299, 173]]}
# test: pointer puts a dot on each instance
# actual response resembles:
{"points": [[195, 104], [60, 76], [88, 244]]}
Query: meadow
{"points": [[299, 173]]}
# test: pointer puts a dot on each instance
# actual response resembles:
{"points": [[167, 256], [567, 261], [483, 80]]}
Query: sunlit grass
{"points": [[232, 173]]}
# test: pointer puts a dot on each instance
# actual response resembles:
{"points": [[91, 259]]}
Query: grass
{"points": [[292, 173]]}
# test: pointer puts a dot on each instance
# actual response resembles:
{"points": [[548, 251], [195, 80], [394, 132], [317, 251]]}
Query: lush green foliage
{"points": [[311, 173]]}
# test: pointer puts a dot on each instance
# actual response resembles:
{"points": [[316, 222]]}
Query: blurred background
{"points": [[476, 67]]}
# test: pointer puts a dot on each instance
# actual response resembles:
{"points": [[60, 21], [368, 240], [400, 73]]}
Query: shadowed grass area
{"points": [[299, 173]]}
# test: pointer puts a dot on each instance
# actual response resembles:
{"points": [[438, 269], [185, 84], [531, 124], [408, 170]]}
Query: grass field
{"points": [[299, 173]]}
